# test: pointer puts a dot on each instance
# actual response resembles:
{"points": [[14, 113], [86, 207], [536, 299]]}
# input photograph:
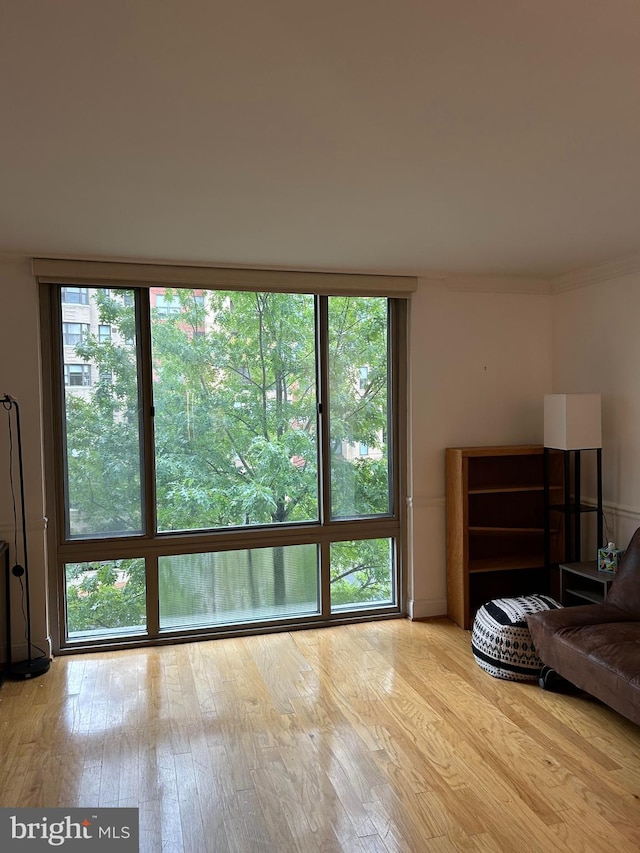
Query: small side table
{"points": [[582, 583]]}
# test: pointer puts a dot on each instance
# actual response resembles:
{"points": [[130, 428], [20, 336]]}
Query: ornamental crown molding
{"points": [[498, 284], [582, 277], [607, 270]]}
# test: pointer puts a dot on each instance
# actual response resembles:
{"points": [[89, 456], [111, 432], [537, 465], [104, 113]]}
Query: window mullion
{"points": [[324, 450], [148, 455], [324, 461], [147, 449]]}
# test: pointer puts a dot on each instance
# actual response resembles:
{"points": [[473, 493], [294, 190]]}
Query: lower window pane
{"points": [[105, 598], [230, 587], [362, 574]]}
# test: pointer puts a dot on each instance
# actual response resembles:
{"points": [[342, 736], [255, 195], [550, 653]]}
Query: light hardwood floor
{"points": [[378, 737]]}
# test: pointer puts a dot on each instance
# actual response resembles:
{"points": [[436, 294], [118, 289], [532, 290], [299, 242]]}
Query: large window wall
{"points": [[235, 464]]}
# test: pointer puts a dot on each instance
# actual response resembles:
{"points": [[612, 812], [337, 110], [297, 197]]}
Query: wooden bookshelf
{"points": [[495, 525]]}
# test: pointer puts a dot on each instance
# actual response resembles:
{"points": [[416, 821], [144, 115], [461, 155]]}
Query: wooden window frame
{"points": [[152, 545]]}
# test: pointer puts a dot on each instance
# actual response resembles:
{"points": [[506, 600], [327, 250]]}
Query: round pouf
{"points": [[500, 639]]}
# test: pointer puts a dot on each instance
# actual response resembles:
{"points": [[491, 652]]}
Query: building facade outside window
{"points": [[74, 333], [75, 295], [77, 375], [167, 306]]}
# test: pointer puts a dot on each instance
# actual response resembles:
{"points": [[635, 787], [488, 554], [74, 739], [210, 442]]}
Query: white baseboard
{"points": [[426, 608]]}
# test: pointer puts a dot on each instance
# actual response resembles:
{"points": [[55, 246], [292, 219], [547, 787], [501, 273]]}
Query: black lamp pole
{"points": [[31, 667]]}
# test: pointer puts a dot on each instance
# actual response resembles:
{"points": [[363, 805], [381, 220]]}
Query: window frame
{"points": [[85, 373], [81, 292], [152, 545], [167, 307], [72, 339]]}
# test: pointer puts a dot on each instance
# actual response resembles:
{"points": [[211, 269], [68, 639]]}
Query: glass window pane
{"points": [[198, 590], [359, 406], [235, 410], [77, 375], [74, 333], [75, 295], [103, 496], [105, 599], [166, 305], [362, 574]]}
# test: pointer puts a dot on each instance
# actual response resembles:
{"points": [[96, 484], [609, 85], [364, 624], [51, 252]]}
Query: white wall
{"points": [[481, 363], [20, 378], [597, 348]]}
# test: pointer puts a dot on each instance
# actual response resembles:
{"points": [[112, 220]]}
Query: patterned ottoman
{"points": [[500, 639]]}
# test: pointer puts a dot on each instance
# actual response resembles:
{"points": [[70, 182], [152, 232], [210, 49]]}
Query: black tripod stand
{"points": [[32, 666]]}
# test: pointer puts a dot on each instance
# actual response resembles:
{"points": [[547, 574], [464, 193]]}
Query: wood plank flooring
{"points": [[379, 737]]}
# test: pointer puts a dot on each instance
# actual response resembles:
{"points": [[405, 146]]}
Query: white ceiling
{"points": [[407, 136]]}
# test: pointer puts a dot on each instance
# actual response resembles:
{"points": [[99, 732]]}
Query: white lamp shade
{"points": [[572, 421]]}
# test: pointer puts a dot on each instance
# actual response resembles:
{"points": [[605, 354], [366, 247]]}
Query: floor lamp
{"points": [[573, 423], [32, 666]]}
